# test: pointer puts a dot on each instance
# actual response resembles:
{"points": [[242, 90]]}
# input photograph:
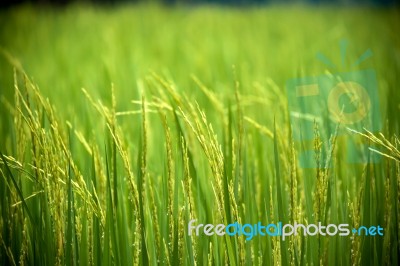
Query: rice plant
{"points": [[113, 173]]}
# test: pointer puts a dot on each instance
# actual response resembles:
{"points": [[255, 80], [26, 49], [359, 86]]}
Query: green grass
{"points": [[119, 126]]}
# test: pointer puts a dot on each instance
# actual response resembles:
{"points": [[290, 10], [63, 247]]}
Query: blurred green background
{"points": [[64, 50]]}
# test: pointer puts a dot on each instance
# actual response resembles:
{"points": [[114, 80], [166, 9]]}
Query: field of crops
{"points": [[120, 125]]}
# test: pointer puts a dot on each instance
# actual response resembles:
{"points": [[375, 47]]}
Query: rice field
{"points": [[120, 125]]}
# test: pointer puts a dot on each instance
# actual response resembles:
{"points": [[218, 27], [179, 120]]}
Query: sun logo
{"points": [[332, 103]]}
